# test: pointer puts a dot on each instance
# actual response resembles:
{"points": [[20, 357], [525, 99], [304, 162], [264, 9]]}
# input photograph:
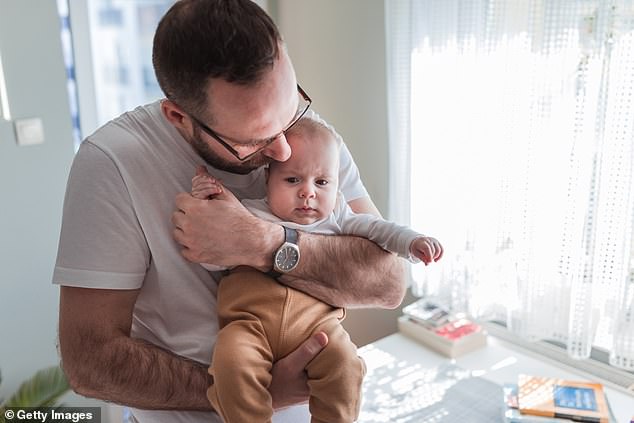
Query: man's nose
{"points": [[278, 150]]}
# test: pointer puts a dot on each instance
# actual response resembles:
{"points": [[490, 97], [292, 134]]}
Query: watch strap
{"points": [[290, 235], [274, 274]]}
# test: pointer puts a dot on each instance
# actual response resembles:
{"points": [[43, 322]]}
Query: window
{"points": [[108, 51], [512, 141]]}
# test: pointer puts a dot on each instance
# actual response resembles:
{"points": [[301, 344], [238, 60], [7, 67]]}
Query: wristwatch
{"points": [[287, 256]]}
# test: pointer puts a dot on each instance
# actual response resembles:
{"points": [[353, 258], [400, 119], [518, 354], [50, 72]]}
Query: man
{"points": [[137, 315]]}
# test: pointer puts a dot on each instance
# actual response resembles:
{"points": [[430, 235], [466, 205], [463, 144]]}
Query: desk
{"points": [[499, 362]]}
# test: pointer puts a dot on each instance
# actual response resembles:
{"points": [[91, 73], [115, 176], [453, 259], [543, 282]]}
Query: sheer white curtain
{"points": [[512, 141]]}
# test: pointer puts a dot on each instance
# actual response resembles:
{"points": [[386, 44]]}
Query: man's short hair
{"points": [[197, 40]]}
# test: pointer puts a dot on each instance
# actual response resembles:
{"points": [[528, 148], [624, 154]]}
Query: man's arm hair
{"points": [[101, 361], [348, 271]]}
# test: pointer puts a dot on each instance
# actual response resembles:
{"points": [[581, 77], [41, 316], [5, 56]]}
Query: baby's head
{"points": [[303, 189]]}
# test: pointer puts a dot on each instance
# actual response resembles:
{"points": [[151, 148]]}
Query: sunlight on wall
{"points": [[5, 112]]}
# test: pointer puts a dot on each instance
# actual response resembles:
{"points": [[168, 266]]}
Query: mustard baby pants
{"points": [[262, 321]]}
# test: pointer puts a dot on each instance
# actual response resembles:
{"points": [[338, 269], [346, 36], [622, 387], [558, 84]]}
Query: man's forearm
{"points": [[138, 374], [348, 271]]}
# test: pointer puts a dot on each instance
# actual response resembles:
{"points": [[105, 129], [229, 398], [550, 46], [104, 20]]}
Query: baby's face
{"points": [[303, 189]]}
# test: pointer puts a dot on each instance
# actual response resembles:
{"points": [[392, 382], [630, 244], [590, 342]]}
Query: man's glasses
{"points": [[245, 151]]}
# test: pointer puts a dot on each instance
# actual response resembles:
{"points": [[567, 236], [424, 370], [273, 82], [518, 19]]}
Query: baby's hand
{"points": [[427, 249], [204, 186]]}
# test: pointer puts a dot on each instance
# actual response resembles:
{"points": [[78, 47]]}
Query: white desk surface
{"points": [[499, 362]]}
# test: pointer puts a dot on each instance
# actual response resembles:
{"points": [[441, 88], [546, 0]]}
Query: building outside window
{"points": [[108, 50]]}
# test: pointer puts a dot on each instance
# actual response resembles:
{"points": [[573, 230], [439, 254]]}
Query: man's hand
{"points": [[289, 384], [221, 231], [427, 249]]}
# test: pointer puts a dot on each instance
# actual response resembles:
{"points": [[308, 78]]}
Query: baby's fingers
{"points": [[423, 252], [205, 189], [438, 250]]}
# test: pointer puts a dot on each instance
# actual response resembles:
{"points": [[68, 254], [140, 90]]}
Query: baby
{"points": [[262, 321]]}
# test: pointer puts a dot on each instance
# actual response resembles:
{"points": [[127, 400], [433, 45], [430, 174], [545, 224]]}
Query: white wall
{"points": [[32, 185], [338, 50]]}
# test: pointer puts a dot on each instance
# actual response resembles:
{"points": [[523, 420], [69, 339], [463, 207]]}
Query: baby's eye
{"points": [[292, 180], [321, 182]]}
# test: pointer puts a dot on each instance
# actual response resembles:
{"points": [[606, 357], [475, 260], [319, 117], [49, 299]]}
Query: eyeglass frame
{"points": [[266, 142]]}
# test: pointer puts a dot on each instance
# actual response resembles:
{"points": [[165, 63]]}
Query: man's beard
{"points": [[212, 159]]}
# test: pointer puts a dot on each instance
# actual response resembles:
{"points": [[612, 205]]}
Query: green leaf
{"points": [[43, 389]]}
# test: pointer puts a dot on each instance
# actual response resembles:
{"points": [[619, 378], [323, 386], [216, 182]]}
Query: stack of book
{"points": [[435, 327], [543, 399]]}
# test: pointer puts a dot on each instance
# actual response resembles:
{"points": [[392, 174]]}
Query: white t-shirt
{"points": [[116, 233]]}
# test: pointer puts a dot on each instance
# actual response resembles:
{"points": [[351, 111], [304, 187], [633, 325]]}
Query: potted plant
{"points": [[43, 389]]}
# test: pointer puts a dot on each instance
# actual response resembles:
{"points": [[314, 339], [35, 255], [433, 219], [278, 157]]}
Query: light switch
{"points": [[29, 131]]}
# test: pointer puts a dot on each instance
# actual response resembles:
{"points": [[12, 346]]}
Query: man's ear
{"points": [[175, 115]]}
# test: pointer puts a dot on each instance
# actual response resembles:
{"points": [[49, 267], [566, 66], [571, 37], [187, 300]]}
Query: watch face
{"points": [[286, 258]]}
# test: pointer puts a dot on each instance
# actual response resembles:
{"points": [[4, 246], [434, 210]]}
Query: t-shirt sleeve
{"points": [[350, 183], [101, 243]]}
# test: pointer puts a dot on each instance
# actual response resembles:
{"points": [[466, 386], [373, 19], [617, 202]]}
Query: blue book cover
{"points": [[573, 400]]}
